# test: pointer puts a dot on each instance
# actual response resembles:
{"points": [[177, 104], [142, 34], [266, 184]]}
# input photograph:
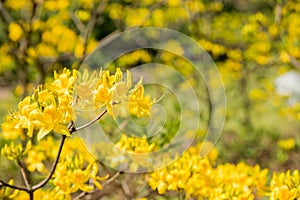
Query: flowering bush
{"points": [[49, 110], [252, 42], [29, 133], [30, 143]]}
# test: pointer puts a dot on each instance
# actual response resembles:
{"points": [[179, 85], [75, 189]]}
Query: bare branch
{"points": [[45, 181], [72, 129], [91, 122], [13, 186], [114, 177], [6, 16], [79, 25], [23, 173]]}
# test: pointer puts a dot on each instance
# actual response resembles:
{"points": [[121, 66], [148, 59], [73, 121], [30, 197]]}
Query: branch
{"points": [[114, 177], [45, 181], [23, 173], [79, 25], [12, 186], [72, 129], [91, 122], [6, 16]]}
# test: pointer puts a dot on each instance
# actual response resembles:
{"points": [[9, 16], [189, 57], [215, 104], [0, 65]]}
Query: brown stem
{"points": [[91, 122], [13, 186], [114, 177], [45, 181], [6, 16], [23, 173], [31, 195]]}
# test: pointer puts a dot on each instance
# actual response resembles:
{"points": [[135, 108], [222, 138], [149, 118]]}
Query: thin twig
{"points": [[114, 177], [79, 25], [45, 181], [72, 129], [13, 186], [125, 188], [23, 173], [91, 122], [6, 16]]}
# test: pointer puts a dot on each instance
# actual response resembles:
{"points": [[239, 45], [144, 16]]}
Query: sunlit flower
{"points": [[285, 186]]}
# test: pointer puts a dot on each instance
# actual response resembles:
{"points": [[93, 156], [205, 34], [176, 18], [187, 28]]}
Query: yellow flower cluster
{"points": [[116, 92], [49, 108], [14, 151], [71, 176], [128, 151], [10, 131], [197, 177], [77, 171], [136, 145], [285, 186]]}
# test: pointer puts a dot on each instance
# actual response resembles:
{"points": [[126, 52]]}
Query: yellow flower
{"points": [[138, 103], [64, 82], [51, 120], [133, 144], [15, 32], [284, 193], [8, 193], [25, 115], [35, 161], [285, 186], [103, 94], [70, 175], [115, 92], [14, 151], [287, 144], [83, 15], [10, 130]]}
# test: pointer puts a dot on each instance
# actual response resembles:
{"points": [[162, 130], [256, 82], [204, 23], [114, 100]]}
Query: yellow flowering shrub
{"points": [[252, 42], [50, 110], [199, 178]]}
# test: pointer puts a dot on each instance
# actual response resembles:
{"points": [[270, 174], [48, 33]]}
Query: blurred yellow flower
{"points": [[15, 31], [287, 144], [257, 94]]}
